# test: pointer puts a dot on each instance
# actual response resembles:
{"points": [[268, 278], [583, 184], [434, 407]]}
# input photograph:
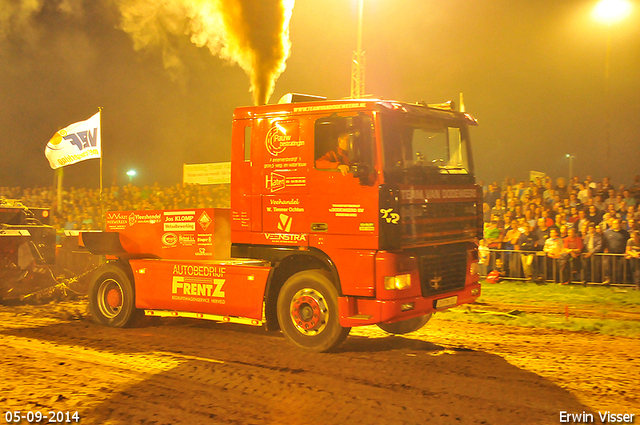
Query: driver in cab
{"points": [[338, 159]]}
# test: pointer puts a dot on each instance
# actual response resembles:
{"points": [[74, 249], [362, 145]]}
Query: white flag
{"points": [[75, 143]]}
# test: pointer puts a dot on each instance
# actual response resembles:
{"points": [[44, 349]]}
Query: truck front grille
{"points": [[442, 268], [437, 222]]}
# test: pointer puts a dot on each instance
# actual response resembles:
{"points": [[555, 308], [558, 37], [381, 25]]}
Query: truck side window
{"points": [[342, 142]]}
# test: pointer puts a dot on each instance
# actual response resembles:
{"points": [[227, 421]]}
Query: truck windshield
{"points": [[411, 142]]}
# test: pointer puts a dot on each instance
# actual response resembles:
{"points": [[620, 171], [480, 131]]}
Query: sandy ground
{"points": [[177, 371]]}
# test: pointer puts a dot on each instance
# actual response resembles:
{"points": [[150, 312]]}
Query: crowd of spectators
{"points": [[83, 208], [562, 228]]}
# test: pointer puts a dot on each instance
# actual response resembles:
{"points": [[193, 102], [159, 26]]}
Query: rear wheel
{"points": [[112, 297], [405, 326], [308, 312]]}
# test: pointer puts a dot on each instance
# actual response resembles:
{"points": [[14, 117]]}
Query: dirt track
{"points": [[192, 372]]}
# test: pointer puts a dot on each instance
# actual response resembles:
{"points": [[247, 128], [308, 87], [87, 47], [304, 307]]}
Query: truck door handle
{"points": [[319, 227]]}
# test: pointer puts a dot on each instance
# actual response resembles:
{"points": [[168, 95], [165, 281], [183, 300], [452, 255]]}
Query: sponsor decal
{"points": [[435, 282], [169, 239], [285, 206], [285, 223], [117, 220], [281, 135], [188, 239], [199, 270], [390, 216], [179, 216], [204, 239], [288, 163], [135, 218], [275, 182], [328, 107], [204, 221], [204, 284], [179, 227], [367, 227], [286, 237], [202, 252], [81, 139], [437, 194], [346, 210]]}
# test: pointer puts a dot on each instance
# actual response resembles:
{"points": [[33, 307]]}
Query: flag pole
{"points": [[60, 175], [100, 127]]}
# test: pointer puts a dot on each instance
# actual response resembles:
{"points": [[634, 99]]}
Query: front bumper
{"points": [[356, 311]]}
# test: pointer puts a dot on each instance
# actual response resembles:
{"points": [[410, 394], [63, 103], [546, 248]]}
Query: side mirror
{"points": [[363, 172]]}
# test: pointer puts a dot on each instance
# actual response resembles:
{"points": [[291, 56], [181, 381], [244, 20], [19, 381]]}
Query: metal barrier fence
{"points": [[536, 265]]}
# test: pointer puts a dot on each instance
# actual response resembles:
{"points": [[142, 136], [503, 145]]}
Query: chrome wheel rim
{"points": [[309, 311], [110, 298]]}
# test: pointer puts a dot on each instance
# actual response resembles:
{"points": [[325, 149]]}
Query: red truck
{"points": [[343, 213]]}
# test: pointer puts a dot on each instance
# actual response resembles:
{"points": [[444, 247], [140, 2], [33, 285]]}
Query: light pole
{"points": [[609, 12], [570, 166], [357, 64], [131, 174]]}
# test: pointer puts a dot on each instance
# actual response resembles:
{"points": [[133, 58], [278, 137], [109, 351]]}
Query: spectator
{"points": [[614, 240], [546, 216], [484, 256], [610, 199], [574, 201], [548, 194], [510, 240], [553, 248], [492, 195], [628, 199], [498, 209], [606, 187], [486, 212], [492, 235], [594, 215], [573, 216], [561, 188], [570, 255], [580, 222], [611, 210], [592, 245], [583, 194], [71, 223], [527, 243]]}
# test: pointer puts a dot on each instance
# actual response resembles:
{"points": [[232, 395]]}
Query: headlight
{"points": [[402, 281], [473, 269]]}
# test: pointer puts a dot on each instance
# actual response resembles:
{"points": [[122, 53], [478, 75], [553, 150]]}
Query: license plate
{"points": [[447, 302]]}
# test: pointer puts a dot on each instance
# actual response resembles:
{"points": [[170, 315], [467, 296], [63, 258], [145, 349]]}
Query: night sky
{"points": [[532, 73]]}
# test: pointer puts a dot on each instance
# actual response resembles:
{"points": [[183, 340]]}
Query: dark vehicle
{"points": [[25, 245]]}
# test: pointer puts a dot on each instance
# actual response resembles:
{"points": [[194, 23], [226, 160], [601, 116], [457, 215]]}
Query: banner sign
{"points": [[535, 174], [213, 173], [75, 143]]}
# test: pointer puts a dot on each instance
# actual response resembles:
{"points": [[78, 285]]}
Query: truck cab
{"points": [[396, 233]]}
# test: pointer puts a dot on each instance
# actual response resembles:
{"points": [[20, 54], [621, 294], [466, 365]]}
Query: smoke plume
{"points": [[15, 17], [252, 33]]}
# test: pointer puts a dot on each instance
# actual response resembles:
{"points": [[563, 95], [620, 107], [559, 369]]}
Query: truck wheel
{"points": [[308, 312], [405, 326], [112, 297]]}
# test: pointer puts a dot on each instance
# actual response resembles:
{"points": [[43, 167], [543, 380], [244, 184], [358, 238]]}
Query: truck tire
{"points": [[405, 326], [112, 297], [308, 312]]}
